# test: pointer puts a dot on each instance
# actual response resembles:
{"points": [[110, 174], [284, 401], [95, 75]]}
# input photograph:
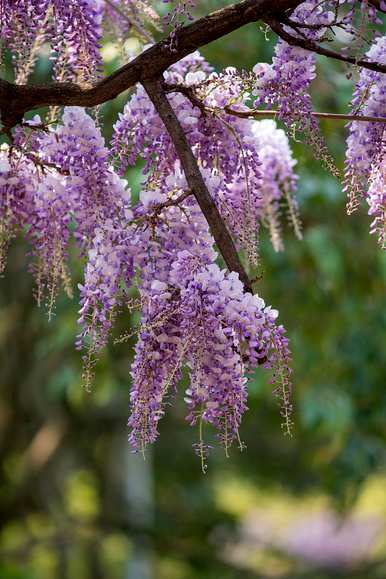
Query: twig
{"points": [[187, 91], [159, 207], [172, 202], [256, 113], [132, 21], [45, 164]]}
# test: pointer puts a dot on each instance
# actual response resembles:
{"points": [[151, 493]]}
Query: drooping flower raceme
{"points": [[16, 186], [71, 27], [286, 82], [78, 192], [78, 31], [366, 139], [376, 197], [278, 180], [96, 193], [101, 209], [194, 314], [202, 317]]}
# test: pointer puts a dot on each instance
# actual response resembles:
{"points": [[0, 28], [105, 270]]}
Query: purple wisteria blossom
{"points": [[286, 82], [16, 187], [278, 180], [73, 28], [376, 197], [366, 140], [201, 316], [76, 38]]}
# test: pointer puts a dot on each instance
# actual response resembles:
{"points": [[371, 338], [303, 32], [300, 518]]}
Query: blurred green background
{"points": [[76, 503]]}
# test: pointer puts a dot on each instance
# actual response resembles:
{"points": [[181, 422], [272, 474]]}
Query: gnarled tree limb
{"points": [[16, 100]]}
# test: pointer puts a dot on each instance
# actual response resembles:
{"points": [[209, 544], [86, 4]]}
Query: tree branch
{"points": [[195, 180], [189, 92], [312, 46], [16, 100], [159, 207], [257, 113]]}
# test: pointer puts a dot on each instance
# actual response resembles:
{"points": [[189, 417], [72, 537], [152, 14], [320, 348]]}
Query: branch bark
{"points": [[16, 100], [224, 241]]}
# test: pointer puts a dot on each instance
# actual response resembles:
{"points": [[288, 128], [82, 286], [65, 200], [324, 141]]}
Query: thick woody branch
{"points": [[224, 241], [16, 100]]}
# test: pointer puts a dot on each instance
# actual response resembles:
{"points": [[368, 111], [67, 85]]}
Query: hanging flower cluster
{"points": [[223, 144], [286, 82], [376, 196], [278, 180], [15, 189], [193, 313], [366, 141], [71, 27], [62, 187], [202, 317]]}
